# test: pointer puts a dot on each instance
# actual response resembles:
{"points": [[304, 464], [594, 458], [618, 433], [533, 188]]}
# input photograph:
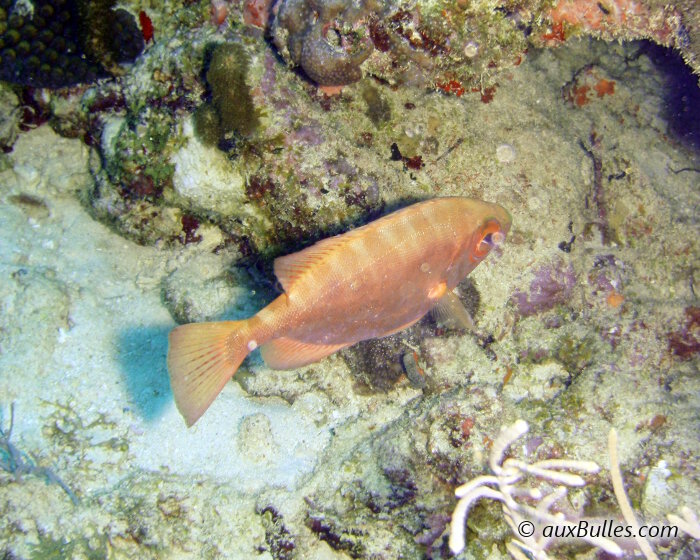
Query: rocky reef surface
{"points": [[163, 196]]}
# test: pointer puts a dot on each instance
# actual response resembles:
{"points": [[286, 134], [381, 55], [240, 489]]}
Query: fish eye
{"points": [[490, 236]]}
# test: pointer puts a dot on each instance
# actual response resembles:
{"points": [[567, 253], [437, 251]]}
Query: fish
{"points": [[370, 282]]}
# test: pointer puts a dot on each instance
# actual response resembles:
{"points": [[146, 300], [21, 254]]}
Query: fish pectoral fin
{"points": [[288, 353], [450, 312], [436, 292]]}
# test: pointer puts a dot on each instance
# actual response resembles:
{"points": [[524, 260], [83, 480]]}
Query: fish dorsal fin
{"points": [[450, 311], [287, 353], [289, 269]]}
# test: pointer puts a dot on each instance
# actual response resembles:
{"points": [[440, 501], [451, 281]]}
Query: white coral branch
{"points": [[507, 473], [688, 523], [621, 496], [504, 485]]}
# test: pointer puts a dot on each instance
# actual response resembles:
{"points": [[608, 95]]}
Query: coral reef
{"points": [[54, 44], [536, 526], [587, 318], [334, 41], [507, 476], [457, 46], [327, 38]]}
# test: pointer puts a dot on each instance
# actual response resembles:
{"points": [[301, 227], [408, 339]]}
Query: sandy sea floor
{"points": [[588, 318]]}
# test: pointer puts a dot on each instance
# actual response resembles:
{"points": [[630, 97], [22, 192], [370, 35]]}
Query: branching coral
{"points": [[519, 515], [509, 485]]}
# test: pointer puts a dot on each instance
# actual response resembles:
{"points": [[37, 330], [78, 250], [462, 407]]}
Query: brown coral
{"points": [[327, 38]]}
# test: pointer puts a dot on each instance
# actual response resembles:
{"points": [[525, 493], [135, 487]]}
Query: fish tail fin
{"points": [[202, 357]]}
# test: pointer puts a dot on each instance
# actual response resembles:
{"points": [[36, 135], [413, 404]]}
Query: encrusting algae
{"points": [[370, 282]]}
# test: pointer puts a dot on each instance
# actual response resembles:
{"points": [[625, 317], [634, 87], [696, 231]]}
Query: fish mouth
{"points": [[495, 239]]}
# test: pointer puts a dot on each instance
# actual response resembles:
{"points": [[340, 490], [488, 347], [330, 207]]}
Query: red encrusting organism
{"points": [[219, 12], [452, 86], [146, 26], [256, 12], [556, 35]]}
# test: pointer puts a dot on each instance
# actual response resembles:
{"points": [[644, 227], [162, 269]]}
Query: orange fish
{"points": [[370, 282]]}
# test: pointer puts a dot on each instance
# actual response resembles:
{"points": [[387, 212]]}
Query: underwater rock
{"points": [[9, 117], [201, 289], [66, 171], [31, 297], [457, 46], [204, 178], [378, 108], [539, 381], [256, 442], [378, 363], [552, 285], [588, 84], [329, 39], [684, 343]]}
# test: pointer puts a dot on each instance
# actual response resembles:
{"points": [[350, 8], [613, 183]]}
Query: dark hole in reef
{"points": [[682, 93]]}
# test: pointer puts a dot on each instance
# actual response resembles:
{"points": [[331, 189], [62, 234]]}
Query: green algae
{"points": [[57, 548], [227, 77], [207, 125], [378, 107], [145, 139], [70, 435]]}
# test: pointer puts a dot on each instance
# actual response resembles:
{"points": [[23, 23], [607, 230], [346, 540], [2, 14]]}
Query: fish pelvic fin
{"points": [[202, 357]]}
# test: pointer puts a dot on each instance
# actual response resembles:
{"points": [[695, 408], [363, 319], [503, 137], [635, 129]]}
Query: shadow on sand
{"points": [[142, 352]]}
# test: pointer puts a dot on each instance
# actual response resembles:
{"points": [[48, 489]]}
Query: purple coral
{"points": [[553, 285], [327, 38]]}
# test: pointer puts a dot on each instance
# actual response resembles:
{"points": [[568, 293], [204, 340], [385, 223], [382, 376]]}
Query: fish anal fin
{"points": [[202, 357], [288, 353], [450, 312]]}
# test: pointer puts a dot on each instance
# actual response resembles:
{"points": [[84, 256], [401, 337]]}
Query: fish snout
{"points": [[504, 220]]}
